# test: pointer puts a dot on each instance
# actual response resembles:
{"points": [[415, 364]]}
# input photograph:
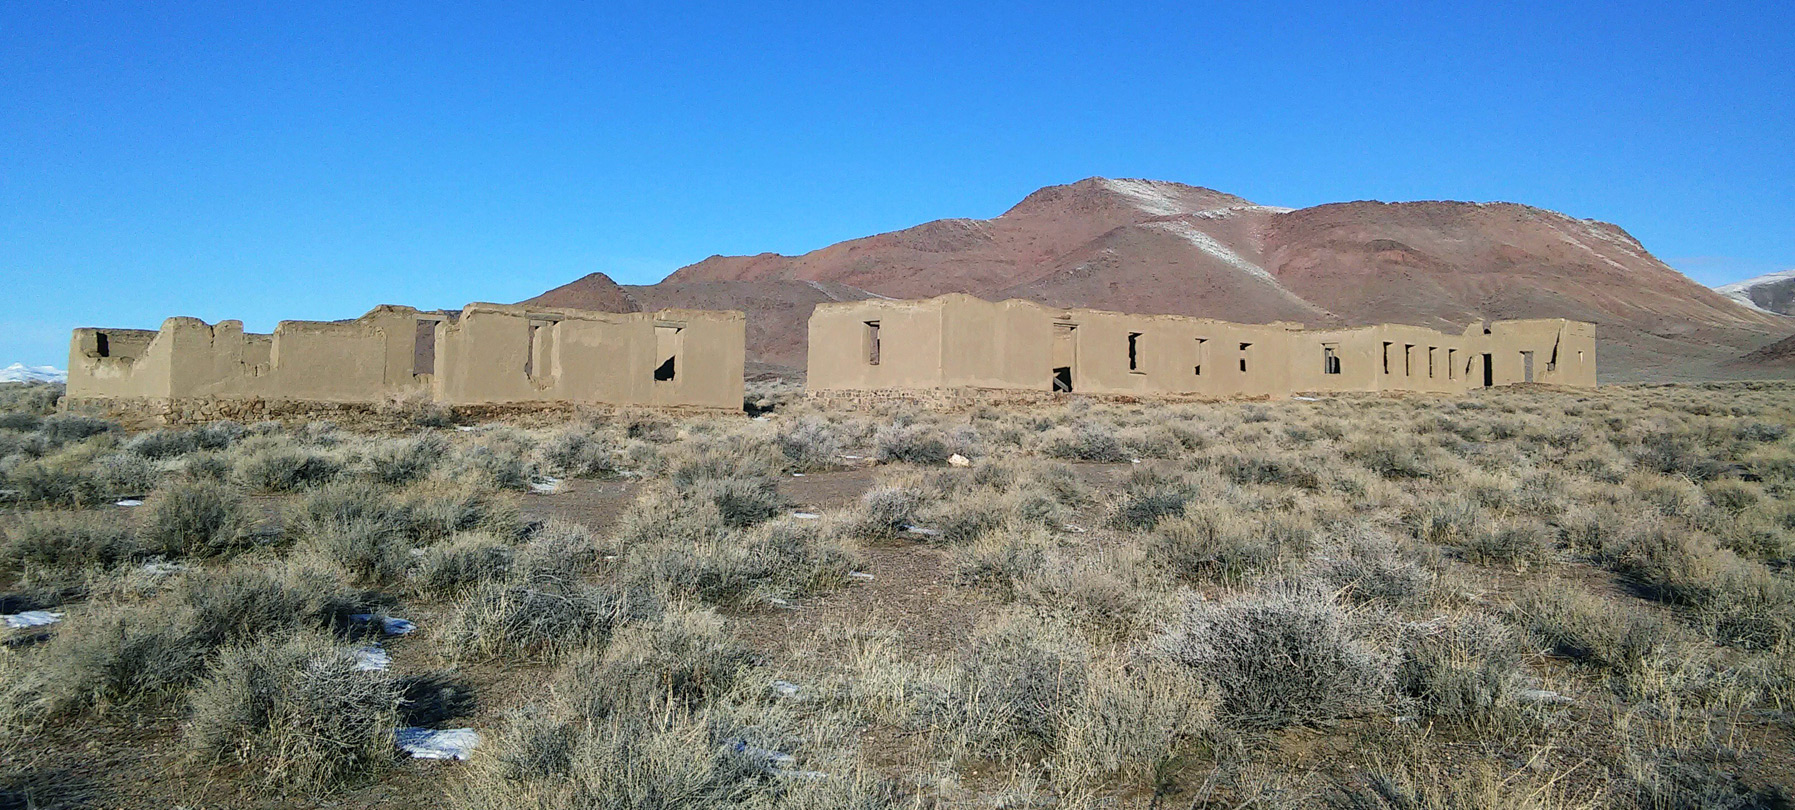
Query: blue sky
{"points": [[311, 161]]}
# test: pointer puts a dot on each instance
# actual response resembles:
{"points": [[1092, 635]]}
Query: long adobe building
{"points": [[958, 343], [481, 355]]}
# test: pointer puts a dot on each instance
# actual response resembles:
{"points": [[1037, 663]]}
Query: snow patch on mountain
{"points": [[19, 372], [1147, 196], [1740, 291], [1208, 244]]}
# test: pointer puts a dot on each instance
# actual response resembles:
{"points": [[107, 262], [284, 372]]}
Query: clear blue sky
{"points": [[312, 160]]}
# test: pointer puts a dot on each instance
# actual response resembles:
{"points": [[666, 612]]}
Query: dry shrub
{"points": [[1466, 668], [357, 525], [1367, 566], [1151, 497], [200, 518], [537, 620], [1218, 543], [810, 444], [1088, 440], [914, 443], [1518, 543], [464, 561], [1290, 655], [684, 660], [783, 559], [884, 510], [1393, 457], [1002, 559], [297, 712], [558, 550], [283, 467], [1016, 682], [441, 510], [573, 451], [57, 545], [1588, 628], [401, 461], [124, 652]]}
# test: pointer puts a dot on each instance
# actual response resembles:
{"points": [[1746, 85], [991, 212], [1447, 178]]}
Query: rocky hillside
{"points": [[1159, 247]]}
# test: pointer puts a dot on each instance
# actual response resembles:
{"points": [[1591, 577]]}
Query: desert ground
{"points": [[1523, 598]]}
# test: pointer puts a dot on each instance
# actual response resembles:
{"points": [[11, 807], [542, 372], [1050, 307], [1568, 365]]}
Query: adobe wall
{"points": [[496, 353], [366, 360], [957, 341], [489, 355]]}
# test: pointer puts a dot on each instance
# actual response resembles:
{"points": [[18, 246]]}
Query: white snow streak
{"points": [[1209, 245], [1146, 196]]}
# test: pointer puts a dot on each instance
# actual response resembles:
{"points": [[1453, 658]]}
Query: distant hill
{"points": [[1159, 247], [19, 372]]}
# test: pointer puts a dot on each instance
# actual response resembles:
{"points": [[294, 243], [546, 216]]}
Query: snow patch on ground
{"points": [[19, 372], [1208, 244]]}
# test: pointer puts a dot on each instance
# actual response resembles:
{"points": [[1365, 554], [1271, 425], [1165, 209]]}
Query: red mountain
{"points": [[1158, 247]]}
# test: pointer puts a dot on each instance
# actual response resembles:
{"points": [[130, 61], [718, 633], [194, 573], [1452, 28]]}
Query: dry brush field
{"points": [[1519, 599]]}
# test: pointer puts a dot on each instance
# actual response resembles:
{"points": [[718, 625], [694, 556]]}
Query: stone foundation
{"points": [[956, 398], [140, 414]]}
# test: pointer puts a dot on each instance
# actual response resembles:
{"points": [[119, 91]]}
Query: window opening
{"points": [[667, 341]]}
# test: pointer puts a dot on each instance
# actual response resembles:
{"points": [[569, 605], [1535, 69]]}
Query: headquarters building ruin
{"points": [[960, 343]]}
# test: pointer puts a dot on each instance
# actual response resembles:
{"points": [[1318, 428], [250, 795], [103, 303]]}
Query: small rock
{"points": [[1542, 696], [785, 688], [806, 515], [859, 575], [129, 502], [957, 460]]}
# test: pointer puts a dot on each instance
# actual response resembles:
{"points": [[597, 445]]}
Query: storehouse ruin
{"points": [[958, 342], [485, 354]]}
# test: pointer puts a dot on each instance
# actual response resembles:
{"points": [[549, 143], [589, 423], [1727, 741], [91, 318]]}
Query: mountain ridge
{"points": [[1161, 247]]}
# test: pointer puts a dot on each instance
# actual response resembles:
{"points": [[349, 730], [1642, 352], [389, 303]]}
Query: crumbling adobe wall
{"points": [[491, 354], [496, 353], [958, 341], [365, 360]]}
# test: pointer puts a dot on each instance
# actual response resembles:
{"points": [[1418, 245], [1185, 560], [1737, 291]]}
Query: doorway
{"points": [[1489, 371], [1526, 366], [1065, 356]]}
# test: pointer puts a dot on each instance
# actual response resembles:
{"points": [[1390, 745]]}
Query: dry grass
{"points": [[1518, 599]]}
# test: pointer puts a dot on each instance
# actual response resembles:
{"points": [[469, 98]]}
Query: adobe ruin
{"points": [[482, 355], [957, 342]]}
